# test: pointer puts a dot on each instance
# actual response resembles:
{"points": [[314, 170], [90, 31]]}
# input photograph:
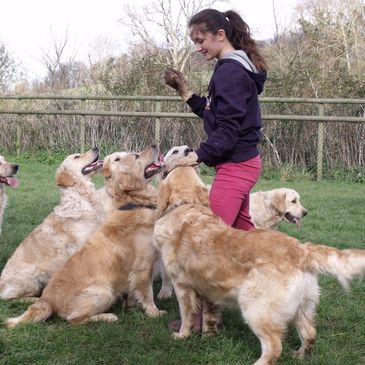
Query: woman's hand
{"points": [[177, 81]]}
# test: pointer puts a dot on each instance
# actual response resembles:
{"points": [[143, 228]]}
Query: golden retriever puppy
{"points": [[270, 276], [7, 170], [269, 208], [61, 233], [118, 258]]}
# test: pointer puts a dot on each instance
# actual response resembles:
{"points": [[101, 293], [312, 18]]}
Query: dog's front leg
{"points": [[188, 305]]}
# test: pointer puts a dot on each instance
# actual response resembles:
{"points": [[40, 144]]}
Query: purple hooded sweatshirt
{"points": [[231, 113]]}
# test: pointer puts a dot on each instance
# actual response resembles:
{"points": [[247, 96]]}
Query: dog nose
{"points": [[95, 148], [187, 151], [305, 213], [15, 168]]}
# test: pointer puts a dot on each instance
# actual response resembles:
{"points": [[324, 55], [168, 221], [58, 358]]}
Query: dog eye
{"points": [[174, 152], [76, 157], [136, 156], [117, 159], [294, 201]]}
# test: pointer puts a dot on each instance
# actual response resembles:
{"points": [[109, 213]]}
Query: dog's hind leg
{"points": [[91, 305], [270, 335], [167, 289], [212, 317], [305, 324]]}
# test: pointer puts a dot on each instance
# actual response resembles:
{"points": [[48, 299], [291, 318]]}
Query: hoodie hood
{"points": [[241, 57]]}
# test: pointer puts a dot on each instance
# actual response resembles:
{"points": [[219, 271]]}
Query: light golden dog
{"points": [[118, 258], [270, 276], [7, 170], [62, 232], [269, 208]]}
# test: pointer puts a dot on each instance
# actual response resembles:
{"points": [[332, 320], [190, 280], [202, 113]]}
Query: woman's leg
{"points": [[229, 194]]}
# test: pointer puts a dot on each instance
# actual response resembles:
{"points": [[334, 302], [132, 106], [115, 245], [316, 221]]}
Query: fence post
{"points": [[19, 119], [83, 127], [157, 123], [320, 144]]}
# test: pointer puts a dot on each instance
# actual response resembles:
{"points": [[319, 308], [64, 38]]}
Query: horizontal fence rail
{"points": [[321, 118]]}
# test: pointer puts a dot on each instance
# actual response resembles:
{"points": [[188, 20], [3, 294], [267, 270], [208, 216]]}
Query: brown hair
{"points": [[237, 32]]}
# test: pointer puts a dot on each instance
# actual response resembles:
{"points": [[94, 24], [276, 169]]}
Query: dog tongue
{"points": [[12, 181], [296, 221]]}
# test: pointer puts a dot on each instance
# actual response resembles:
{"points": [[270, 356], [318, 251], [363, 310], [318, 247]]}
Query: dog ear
{"points": [[202, 194], [65, 179], [278, 202], [106, 172], [163, 197]]}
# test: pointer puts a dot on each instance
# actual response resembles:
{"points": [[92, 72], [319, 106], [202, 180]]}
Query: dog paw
{"points": [[180, 335], [156, 313]]}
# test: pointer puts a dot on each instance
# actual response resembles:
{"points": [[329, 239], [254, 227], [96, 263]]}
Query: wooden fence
{"points": [[321, 118]]}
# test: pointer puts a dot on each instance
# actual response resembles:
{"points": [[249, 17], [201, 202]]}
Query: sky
{"points": [[28, 27]]}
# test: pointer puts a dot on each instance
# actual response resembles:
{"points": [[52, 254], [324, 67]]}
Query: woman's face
{"points": [[208, 44]]}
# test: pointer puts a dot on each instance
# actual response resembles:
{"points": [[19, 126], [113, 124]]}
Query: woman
{"points": [[231, 111]]}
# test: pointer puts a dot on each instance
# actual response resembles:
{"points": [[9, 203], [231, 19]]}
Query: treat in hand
{"points": [[172, 78]]}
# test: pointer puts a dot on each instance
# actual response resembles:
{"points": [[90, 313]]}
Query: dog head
{"points": [[130, 172], [287, 203], [7, 170], [78, 166], [181, 185], [178, 156]]}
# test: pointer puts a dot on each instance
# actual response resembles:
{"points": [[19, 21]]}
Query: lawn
{"points": [[336, 217]]}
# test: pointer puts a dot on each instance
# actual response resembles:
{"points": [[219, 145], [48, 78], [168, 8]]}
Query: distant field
{"points": [[336, 217]]}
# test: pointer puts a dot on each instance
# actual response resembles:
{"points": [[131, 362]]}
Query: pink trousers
{"points": [[230, 192]]}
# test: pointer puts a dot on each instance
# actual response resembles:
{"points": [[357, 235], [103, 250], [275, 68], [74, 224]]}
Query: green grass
{"points": [[336, 217]]}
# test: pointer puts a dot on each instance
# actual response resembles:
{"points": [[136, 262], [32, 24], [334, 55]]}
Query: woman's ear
{"points": [[221, 35]]}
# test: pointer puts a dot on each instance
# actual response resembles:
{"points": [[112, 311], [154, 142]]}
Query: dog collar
{"points": [[132, 206]]}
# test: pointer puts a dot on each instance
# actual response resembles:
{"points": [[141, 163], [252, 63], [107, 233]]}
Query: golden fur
{"points": [[118, 258], [7, 170], [61, 233], [270, 276], [269, 208]]}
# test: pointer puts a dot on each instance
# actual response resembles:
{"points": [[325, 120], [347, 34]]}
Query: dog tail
{"points": [[37, 312], [345, 265]]}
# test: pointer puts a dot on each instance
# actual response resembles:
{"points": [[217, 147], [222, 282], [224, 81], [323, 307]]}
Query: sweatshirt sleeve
{"points": [[231, 95], [197, 104]]}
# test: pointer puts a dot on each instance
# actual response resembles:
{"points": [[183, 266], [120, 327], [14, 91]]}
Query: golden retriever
{"points": [[269, 208], [118, 258], [7, 170], [61, 233], [270, 276]]}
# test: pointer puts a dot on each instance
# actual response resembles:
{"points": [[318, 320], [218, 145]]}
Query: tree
{"points": [[62, 70], [168, 21], [8, 68]]}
